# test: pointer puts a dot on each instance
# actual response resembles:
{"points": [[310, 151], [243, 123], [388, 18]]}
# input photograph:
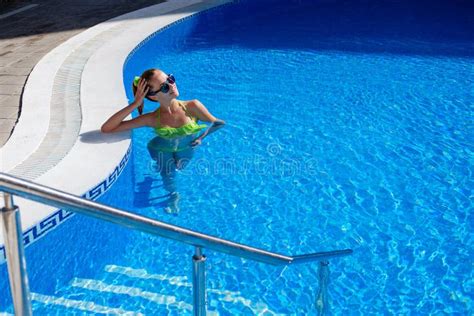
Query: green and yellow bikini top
{"points": [[187, 129]]}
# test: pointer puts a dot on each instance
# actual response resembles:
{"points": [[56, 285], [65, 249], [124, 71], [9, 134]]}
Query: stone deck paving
{"points": [[29, 35]]}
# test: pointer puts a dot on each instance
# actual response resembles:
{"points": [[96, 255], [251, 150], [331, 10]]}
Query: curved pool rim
{"points": [[101, 71]]}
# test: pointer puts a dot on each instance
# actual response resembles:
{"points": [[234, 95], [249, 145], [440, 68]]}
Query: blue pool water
{"points": [[349, 125]]}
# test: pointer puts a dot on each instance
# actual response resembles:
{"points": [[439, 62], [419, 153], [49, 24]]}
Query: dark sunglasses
{"points": [[165, 86]]}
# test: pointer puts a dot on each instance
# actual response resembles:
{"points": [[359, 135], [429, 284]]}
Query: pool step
{"points": [[66, 305], [135, 292], [124, 290], [216, 297], [180, 281]]}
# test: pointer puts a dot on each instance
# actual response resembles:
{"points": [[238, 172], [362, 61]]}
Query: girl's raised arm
{"points": [[116, 122]]}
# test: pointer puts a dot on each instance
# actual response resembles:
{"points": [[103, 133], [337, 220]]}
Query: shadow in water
{"points": [[143, 193]]}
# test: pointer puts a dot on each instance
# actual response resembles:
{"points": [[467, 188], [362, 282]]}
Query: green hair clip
{"points": [[136, 80]]}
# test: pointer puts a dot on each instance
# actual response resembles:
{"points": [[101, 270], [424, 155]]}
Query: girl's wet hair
{"points": [[147, 74]]}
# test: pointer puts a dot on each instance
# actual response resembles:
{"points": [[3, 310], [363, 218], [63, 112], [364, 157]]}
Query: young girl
{"points": [[174, 121]]}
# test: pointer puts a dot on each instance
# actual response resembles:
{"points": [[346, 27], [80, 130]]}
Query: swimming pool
{"points": [[343, 131]]}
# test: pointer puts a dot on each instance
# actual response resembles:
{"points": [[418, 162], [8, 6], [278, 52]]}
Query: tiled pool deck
{"points": [[27, 36]]}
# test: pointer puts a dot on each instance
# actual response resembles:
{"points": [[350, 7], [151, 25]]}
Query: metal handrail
{"points": [[50, 196]]}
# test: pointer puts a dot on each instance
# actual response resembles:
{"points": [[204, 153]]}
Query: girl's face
{"points": [[159, 83]]}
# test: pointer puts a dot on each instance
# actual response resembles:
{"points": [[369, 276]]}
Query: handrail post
{"points": [[199, 283], [16, 263], [322, 302]]}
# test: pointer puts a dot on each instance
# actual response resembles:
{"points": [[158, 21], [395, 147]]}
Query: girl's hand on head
{"points": [[142, 90]]}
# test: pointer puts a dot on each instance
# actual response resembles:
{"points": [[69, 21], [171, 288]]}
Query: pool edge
{"points": [[142, 24]]}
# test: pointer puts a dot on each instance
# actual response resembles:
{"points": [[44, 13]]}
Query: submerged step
{"points": [[79, 305], [131, 291], [216, 297], [95, 285]]}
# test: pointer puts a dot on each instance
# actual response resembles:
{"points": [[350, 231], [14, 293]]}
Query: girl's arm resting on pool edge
{"points": [[116, 122]]}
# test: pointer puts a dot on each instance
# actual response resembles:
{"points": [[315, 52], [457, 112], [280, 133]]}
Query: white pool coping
{"points": [[95, 160]]}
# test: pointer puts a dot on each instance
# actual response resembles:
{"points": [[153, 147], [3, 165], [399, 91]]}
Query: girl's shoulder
{"points": [[185, 103], [188, 107]]}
